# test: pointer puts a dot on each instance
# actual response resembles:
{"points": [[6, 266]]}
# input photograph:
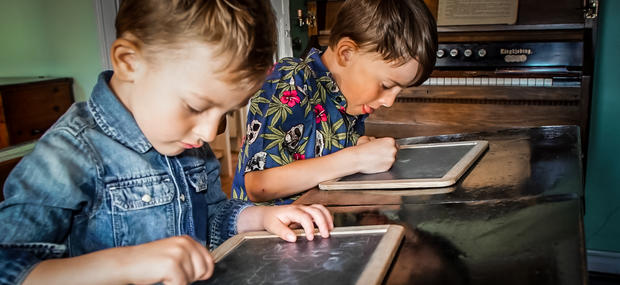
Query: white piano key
{"points": [[540, 81], [522, 81], [515, 82], [462, 81], [548, 82], [476, 81], [440, 81], [470, 81], [433, 81], [484, 81], [493, 81], [531, 82], [455, 81], [500, 81]]}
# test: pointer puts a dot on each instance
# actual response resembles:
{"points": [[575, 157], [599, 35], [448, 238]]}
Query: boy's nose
{"points": [[388, 99], [208, 135], [208, 129]]}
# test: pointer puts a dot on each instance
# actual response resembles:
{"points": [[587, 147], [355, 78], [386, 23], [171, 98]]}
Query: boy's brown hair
{"points": [[399, 30], [241, 31]]}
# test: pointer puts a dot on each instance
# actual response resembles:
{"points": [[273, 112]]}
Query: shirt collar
{"points": [[113, 118], [314, 56], [317, 64]]}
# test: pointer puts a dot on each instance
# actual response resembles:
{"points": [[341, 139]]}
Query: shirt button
{"points": [[182, 197], [146, 198]]}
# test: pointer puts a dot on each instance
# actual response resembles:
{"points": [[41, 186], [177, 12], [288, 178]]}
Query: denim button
{"points": [[182, 197], [146, 198]]}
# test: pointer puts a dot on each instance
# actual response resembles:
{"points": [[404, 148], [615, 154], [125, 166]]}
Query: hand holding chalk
{"points": [[375, 155]]}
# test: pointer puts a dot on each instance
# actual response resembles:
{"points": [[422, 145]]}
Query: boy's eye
{"points": [[192, 110], [384, 87]]}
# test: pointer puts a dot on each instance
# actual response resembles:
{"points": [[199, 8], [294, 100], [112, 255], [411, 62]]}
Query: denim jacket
{"points": [[93, 181]]}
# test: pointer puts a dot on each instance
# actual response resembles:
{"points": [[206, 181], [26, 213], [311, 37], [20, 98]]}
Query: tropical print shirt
{"points": [[297, 114]]}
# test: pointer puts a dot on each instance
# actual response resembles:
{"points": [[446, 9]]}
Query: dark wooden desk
{"points": [[520, 162], [515, 218]]}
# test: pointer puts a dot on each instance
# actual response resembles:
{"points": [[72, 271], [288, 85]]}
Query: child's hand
{"points": [[278, 220], [375, 155], [175, 260], [364, 139]]}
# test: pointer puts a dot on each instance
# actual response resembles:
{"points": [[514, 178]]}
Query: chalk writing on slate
{"points": [[413, 163], [339, 259], [417, 166]]}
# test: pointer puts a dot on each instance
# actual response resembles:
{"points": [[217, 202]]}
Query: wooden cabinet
{"points": [[28, 107]]}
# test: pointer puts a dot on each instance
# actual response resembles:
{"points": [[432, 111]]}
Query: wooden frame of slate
{"points": [[360, 255], [417, 166]]}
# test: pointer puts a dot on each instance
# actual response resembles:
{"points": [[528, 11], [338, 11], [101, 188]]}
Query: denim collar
{"points": [[113, 118]]}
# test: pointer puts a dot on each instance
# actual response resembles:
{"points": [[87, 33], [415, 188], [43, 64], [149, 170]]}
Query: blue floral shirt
{"points": [[297, 114], [93, 181]]}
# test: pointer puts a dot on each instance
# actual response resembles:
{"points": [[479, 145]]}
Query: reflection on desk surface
{"points": [[532, 240]]}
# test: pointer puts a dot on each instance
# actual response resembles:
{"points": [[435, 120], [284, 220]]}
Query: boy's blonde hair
{"points": [[242, 32], [399, 30]]}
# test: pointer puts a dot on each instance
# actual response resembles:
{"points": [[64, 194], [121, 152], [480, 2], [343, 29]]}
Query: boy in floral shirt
{"points": [[306, 124]]}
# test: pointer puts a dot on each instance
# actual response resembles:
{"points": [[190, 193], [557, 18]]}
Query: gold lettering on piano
{"points": [[505, 51]]}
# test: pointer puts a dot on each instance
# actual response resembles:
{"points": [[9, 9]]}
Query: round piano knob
{"points": [[441, 53], [482, 52], [467, 53], [454, 52]]}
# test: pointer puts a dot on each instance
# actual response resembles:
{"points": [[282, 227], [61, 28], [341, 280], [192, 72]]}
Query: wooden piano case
{"points": [[460, 106]]}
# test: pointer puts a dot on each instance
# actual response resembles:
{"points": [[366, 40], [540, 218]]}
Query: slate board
{"points": [[351, 255], [417, 166]]}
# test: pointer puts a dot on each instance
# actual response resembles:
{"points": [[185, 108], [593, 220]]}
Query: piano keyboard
{"points": [[486, 81]]}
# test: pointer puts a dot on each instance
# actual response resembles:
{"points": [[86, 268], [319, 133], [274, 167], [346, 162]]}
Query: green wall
{"points": [[602, 220], [50, 38]]}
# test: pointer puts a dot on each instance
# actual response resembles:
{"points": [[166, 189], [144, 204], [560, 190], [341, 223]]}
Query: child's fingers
{"points": [[203, 262], [197, 264], [283, 231], [190, 257], [319, 218], [304, 217], [362, 140], [328, 215]]}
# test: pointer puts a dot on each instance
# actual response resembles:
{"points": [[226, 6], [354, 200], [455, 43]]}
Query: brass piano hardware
{"points": [[591, 9], [308, 20]]}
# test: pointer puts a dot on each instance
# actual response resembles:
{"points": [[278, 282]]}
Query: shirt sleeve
{"points": [[43, 193], [278, 115], [223, 223], [222, 213]]}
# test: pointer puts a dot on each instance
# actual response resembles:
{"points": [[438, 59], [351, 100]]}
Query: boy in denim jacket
{"points": [[123, 189], [306, 124]]}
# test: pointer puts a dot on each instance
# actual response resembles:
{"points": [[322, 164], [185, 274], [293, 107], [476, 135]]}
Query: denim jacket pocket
{"points": [[206, 183], [198, 179], [144, 208]]}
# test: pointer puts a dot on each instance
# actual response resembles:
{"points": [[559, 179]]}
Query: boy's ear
{"points": [[345, 50], [125, 57]]}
